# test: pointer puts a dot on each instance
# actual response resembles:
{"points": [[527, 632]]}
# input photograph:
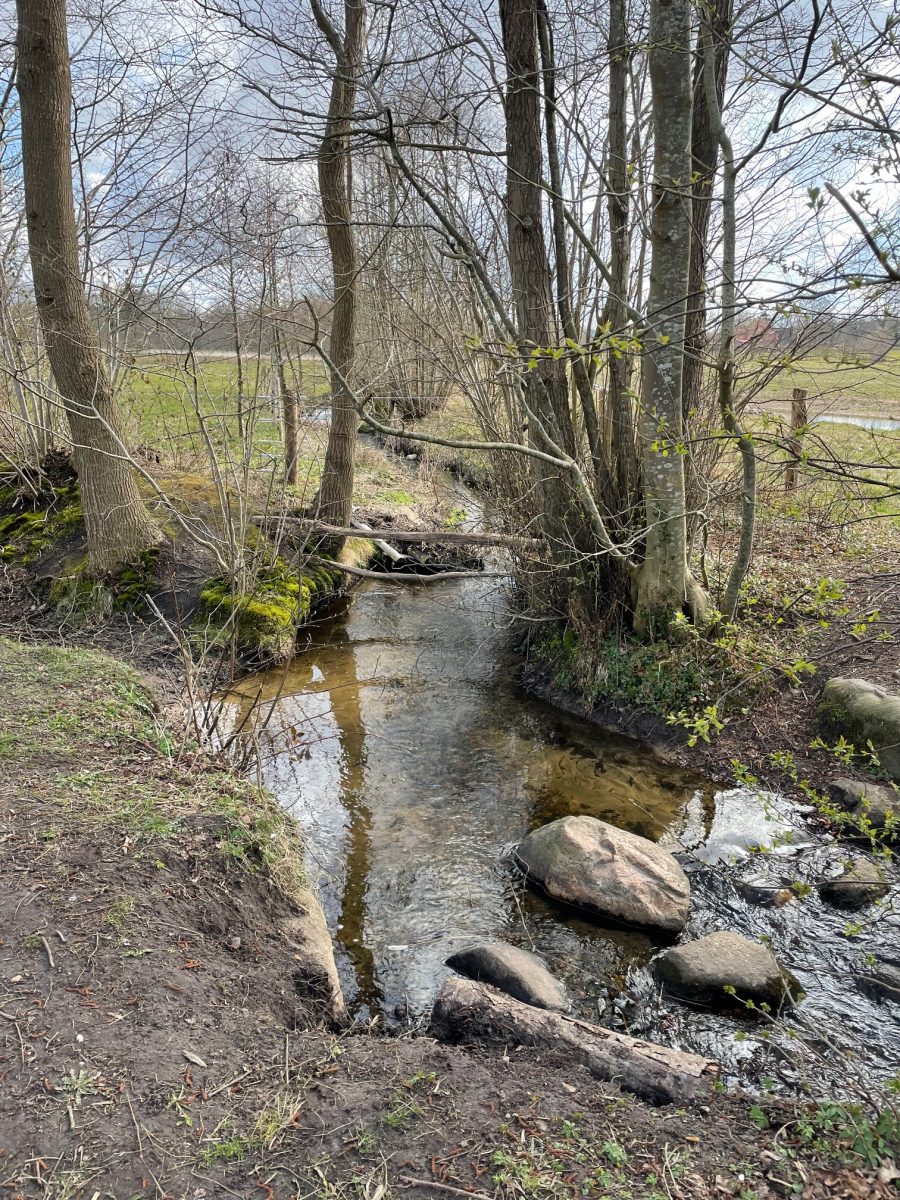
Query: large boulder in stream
{"points": [[863, 712], [704, 970], [514, 971], [607, 872]]}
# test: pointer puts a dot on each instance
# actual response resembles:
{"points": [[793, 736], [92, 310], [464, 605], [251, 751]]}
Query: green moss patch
{"points": [[261, 621], [30, 524]]}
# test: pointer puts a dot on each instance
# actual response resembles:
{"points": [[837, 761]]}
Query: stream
{"points": [[399, 739]]}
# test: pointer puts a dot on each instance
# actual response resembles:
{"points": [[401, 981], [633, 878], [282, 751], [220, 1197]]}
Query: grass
{"points": [[183, 416], [175, 406], [844, 383], [80, 733]]}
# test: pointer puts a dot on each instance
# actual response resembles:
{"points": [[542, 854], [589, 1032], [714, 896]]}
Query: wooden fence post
{"points": [[799, 421]]}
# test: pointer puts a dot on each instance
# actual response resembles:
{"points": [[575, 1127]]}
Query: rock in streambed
{"points": [[705, 970], [860, 883], [607, 872], [517, 972]]}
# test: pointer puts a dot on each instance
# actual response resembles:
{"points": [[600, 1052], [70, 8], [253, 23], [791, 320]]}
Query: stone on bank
{"points": [[863, 712]]}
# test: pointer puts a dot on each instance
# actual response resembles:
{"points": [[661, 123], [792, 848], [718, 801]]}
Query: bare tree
{"points": [[117, 524], [665, 584]]}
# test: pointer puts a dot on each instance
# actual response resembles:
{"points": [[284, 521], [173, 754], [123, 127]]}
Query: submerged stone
{"points": [[607, 872], [860, 883], [883, 981], [872, 804], [703, 970], [768, 891], [517, 972]]}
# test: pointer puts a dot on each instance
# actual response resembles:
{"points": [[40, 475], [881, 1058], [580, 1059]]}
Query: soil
{"points": [[161, 1033], [159, 1057]]}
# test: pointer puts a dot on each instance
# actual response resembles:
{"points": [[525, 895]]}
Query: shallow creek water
{"points": [[399, 739]]}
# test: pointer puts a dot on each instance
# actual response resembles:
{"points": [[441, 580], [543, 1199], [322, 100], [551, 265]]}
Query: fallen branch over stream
{"points": [[448, 536], [466, 1011], [402, 576]]}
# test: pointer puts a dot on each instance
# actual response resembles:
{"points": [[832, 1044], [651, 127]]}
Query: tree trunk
{"points": [[665, 585], [583, 384], [466, 1011], [117, 524], [547, 388], [725, 362], [286, 395], [621, 410], [335, 499], [705, 154]]}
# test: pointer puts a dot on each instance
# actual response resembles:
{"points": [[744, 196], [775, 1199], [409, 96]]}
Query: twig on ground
{"points": [[444, 1187], [50, 959]]}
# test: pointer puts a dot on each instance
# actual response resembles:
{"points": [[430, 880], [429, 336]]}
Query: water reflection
{"points": [[400, 742]]}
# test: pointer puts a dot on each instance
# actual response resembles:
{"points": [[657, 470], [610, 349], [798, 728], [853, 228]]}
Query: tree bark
{"points": [[621, 406], [547, 386], [665, 585], [474, 1012], [335, 499], [117, 525], [705, 155]]}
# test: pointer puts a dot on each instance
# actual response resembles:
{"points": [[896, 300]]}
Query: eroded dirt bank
{"points": [[165, 1029]]}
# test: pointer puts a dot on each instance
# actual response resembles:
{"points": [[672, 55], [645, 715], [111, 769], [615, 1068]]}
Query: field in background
{"points": [[183, 416], [172, 407], [840, 386]]}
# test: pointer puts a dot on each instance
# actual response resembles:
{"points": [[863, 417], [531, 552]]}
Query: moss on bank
{"points": [[261, 620], [255, 611], [32, 522]]}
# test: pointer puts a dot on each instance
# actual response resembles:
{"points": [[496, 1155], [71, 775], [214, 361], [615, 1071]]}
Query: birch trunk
{"points": [[117, 524]]}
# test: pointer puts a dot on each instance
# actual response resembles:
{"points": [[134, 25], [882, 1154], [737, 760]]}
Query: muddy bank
{"points": [[155, 1037]]}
